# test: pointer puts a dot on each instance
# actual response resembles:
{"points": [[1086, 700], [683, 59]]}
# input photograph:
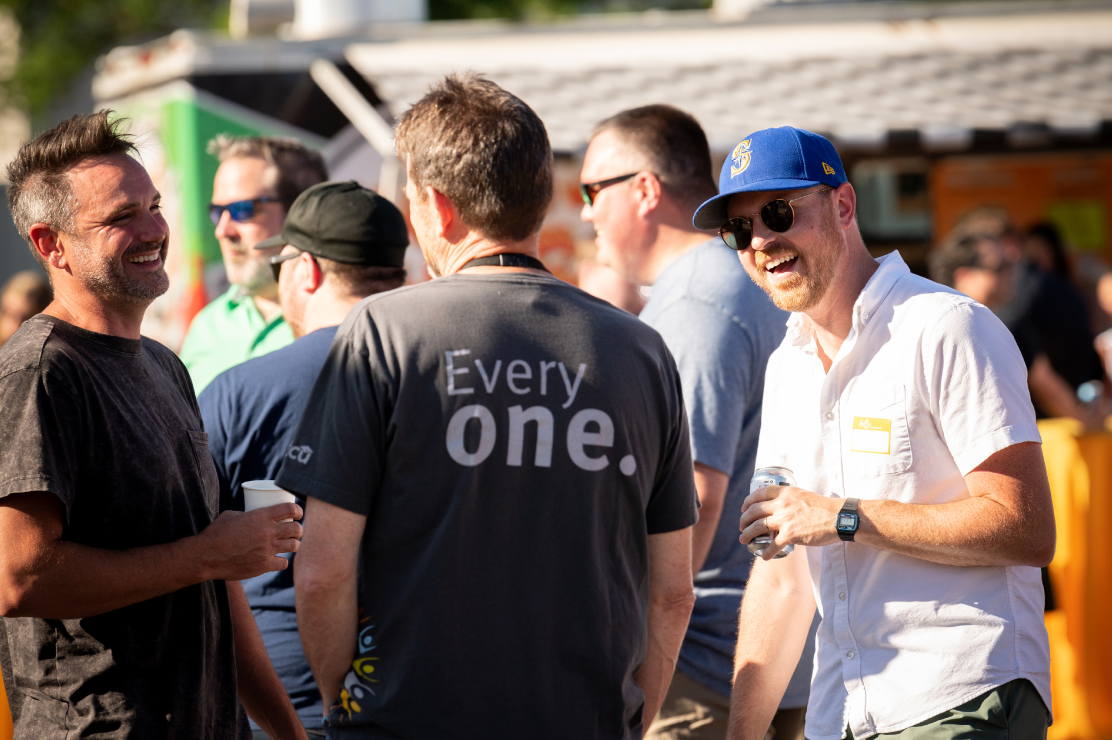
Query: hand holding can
{"points": [[762, 478]]}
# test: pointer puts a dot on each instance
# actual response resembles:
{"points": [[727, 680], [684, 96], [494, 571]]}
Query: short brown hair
{"points": [[361, 280], [39, 188], [294, 167], [673, 145], [483, 148]]}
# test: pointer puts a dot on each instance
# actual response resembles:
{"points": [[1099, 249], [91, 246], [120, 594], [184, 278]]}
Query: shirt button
{"points": [[849, 655], [842, 596], [865, 316], [830, 415]]}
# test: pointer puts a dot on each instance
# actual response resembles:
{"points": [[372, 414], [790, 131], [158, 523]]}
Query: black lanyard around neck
{"points": [[508, 259]]}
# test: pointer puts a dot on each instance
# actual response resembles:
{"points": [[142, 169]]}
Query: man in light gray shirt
{"points": [[645, 172]]}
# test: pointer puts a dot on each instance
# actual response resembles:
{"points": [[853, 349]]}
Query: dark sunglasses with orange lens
{"points": [[778, 215]]}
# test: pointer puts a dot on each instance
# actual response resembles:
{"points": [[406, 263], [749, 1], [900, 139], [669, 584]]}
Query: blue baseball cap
{"points": [[782, 158]]}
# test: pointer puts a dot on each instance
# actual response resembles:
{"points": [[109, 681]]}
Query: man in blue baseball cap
{"points": [[901, 407]]}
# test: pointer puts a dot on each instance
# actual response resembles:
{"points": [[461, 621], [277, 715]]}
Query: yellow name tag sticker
{"points": [[871, 435]]}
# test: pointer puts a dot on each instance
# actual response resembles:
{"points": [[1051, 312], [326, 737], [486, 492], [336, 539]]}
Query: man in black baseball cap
{"points": [[340, 244]]}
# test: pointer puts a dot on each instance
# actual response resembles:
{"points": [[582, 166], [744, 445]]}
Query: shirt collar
{"points": [[891, 268], [239, 299]]}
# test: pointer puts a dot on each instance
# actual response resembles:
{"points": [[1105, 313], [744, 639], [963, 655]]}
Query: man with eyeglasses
{"points": [[645, 172], [257, 180], [340, 244], [922, 506]]}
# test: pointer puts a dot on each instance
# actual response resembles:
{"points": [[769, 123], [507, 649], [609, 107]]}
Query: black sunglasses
{"points": [[241, 210], [277, 260], [590, 190], [777, 215]]}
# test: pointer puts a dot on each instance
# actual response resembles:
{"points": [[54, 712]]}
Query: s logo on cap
{"points": [[741, 156], [828, 169]]}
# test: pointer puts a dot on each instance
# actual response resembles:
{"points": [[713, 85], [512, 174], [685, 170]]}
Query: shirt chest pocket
{"points": [[878, 442], [206, 471]]}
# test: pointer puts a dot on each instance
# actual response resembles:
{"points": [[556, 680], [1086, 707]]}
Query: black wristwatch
{"points": [[847, 520]]}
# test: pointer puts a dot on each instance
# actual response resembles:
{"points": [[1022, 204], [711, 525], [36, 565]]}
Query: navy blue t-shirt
{"points": [[250, 414]]}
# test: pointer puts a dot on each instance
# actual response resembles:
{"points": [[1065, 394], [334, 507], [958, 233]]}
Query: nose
{"points": [[763, 237], [585, 213], [226, 227], [154, 229]]}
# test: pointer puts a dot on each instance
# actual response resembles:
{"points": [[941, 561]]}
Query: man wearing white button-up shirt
{"points": [[922, 500]]}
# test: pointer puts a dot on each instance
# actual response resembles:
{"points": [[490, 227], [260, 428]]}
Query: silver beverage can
{"points": [[762, 478]]}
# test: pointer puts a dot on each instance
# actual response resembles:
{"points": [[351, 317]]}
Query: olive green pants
{"points": [[1014, 711]]}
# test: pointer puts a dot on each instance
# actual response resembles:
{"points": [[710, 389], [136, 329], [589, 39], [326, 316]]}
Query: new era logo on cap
{"points": [[783, 158]]}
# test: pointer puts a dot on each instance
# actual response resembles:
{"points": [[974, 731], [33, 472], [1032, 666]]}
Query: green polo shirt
{"points": [[226, 332]]}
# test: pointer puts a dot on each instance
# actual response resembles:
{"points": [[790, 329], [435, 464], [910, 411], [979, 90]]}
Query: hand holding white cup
{"points": [[258, 494]]}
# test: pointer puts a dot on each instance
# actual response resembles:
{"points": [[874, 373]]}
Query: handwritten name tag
{"points": [[871, 435]]}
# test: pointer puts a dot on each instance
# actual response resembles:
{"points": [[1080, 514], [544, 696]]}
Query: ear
{"points": [[47, 242], [648, 191], [447, 217], [314, 275], [845, 205]]}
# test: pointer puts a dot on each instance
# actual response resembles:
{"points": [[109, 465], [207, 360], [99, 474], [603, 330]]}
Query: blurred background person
{"points": [[1103, 341], [1042, 301], [1043, 248], [341, 243], [258, 178], [24, 294], [978, 266]]}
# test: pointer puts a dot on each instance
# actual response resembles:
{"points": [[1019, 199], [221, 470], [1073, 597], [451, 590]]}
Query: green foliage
{"points": [[60, 38]]}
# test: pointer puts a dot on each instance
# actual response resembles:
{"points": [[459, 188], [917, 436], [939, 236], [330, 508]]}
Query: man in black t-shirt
{"points": [[506, 461], [119, 587]]}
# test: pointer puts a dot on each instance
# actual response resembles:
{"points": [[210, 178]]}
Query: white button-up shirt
{"points": [[927, 385]]}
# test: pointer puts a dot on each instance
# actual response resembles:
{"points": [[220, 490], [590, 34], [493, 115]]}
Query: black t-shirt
{"points": [[110, 426], [513, 442]]}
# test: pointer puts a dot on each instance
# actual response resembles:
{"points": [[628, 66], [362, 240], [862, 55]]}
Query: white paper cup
{"points": [[258, 494]]}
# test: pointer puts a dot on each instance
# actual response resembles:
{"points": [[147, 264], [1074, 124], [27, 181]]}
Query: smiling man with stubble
{"points": [[123, 615]]}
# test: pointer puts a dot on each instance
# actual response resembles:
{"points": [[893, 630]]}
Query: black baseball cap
{"points": [[345, 222]]}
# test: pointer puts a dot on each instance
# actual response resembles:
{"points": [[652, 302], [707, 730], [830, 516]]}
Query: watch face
{"points": [[847, 521]]}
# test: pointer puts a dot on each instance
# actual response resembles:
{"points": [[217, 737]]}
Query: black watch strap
{"points": [[509, 259], [847, 521]]}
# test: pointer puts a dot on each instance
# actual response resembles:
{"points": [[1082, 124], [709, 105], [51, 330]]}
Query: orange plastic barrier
{"points": [[1079, 466], [5, 714]]}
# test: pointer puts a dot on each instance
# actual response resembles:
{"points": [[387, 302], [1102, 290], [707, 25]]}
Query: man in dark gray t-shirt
{"points": [[510, 456], [123, 615]]}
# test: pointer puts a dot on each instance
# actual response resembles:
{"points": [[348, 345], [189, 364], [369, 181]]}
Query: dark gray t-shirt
{"points": [[513, 442], [110, 426]]}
